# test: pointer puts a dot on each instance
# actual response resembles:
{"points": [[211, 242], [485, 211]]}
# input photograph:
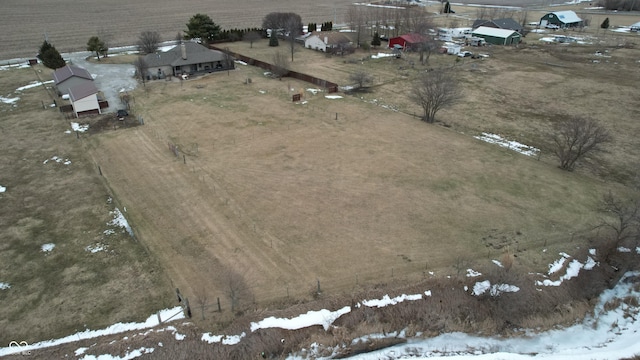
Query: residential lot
{"points": [[230, 182]]}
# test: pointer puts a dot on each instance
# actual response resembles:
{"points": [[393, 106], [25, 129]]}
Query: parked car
{"points": [[121, 114], [465, 54]]}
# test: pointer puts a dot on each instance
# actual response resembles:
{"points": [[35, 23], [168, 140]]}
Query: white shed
{"points": [[84, 99]]}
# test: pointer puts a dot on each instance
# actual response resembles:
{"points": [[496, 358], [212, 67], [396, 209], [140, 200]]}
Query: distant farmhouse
{"points": [[497, 36], [327, 41], [561, 19], [188, 58], [506, 23]]}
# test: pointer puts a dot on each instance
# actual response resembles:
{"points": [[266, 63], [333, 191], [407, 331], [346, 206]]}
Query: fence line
{"points": [[330, 86]]}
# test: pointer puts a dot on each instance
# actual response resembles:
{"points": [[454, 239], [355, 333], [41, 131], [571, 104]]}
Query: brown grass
{"points": [[345, 192]]}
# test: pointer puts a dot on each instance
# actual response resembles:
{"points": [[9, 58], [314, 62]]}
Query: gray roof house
{"points": [[84, 99], [69, 76], [506, 23], [188, 58]]}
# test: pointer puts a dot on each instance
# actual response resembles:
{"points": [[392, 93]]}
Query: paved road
{"points": [[111, 79]]}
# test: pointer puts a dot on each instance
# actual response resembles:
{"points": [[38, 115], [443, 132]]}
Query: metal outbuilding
{"points": [[497, 36]]}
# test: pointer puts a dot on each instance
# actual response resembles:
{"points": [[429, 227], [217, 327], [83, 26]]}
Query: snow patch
{"points": [[96, 247], [473, 273], [127, 356], [4, 286], [2, 189], [224, 339], [33, 84], [386, 300], [120, 221], [623, 249], [511, 145], [498, 263], [79, 128], [333, 96], [172, 314], [48, 247], [381, 55], [322, 317], [9, 100]]}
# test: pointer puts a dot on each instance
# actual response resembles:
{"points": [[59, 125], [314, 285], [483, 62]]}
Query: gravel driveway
{"points": [[111, 79]]}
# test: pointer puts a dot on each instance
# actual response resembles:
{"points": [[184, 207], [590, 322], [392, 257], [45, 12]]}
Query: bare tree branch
{"points": [[576, 137], [435, 90]]}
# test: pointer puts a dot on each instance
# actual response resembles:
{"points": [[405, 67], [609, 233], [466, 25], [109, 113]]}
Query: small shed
{"points": [[84, 99], [562, 19], [497, 36]]}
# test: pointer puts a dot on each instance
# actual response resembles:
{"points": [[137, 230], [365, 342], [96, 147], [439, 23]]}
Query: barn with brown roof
{"points": [[69, 76]]}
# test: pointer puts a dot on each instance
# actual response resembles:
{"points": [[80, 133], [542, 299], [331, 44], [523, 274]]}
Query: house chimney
{"points": [[184, 51]]}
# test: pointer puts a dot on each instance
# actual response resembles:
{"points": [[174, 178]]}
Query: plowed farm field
{"points": [[69, 24]]}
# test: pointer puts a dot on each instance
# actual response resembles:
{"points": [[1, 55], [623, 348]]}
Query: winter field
{"points": [[272, 201]]}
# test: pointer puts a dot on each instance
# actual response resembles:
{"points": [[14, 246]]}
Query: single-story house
{"points": [[562, 19], [84, 99], [69, 76], [635, 27], [497, 36], [408, 41], [188, 58], [506, 23], [327, 41]]}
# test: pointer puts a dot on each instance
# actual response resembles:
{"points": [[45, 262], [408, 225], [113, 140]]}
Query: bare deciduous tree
{"points": [[624, 217], [426, 48], [148, 42], [141, 69], [280, 64], [202, 299], [361, 78], [435, 90], [292, 29], [575, 137], [237, 289], [251, 37]]}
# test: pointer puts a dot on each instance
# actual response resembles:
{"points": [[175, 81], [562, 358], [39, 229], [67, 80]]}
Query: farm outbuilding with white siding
{"points": [[84, 99]]}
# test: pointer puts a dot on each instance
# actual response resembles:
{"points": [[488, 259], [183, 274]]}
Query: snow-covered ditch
{"points": [[509, 144]]}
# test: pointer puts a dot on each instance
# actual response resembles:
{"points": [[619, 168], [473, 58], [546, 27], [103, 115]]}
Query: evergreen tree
{"points": [[273, 40], [43, 49], [202, 26], [52, 59], [605, 24], [376, 39], [447, 8]]}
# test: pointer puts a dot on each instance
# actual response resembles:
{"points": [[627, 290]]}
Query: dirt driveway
{"points": [[111, 79]]}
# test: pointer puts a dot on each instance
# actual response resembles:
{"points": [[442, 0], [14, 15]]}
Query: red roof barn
{"points": [[407, 41]]}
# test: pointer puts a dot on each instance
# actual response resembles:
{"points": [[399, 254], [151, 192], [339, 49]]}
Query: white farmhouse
{"points": [[326, 41]]}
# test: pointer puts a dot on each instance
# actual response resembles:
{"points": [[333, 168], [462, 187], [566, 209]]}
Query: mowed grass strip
{"points": [[55, 293]]}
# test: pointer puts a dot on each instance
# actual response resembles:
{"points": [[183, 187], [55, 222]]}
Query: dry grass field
{"points": [[286, 194], [269, 197], [64, 203]]}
